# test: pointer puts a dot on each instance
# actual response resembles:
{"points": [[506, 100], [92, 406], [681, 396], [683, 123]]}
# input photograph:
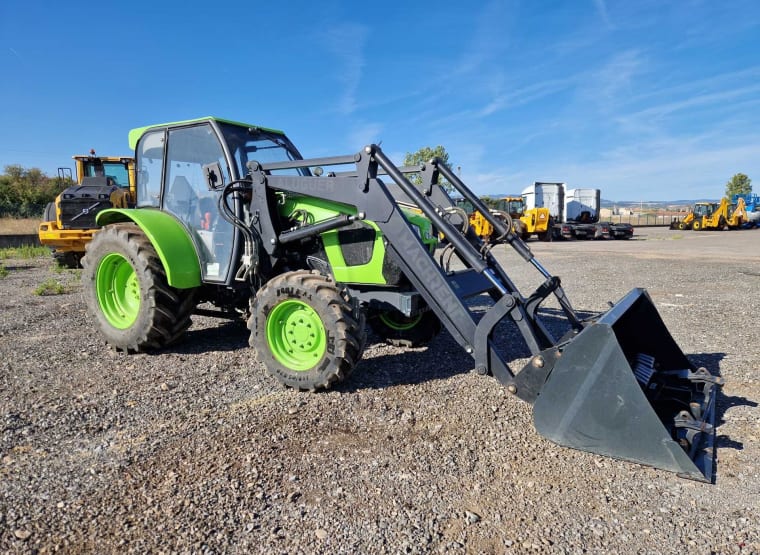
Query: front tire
{"points": [[306, 331], [68, 259], [50, 215], [126, 290], [697, 225]]}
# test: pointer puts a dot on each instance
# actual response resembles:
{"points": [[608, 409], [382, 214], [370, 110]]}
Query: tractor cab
{"points": [[116, 171], [514, 206], [704, 209], [183, 170]]}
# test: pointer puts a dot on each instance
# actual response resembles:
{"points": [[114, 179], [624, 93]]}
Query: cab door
{"points": [[186, 195]]}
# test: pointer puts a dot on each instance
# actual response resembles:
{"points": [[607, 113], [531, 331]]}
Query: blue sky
{"points": [[646, 100]]}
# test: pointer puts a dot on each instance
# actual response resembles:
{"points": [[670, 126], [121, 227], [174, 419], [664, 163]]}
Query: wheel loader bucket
{"points": [[623, 388]]}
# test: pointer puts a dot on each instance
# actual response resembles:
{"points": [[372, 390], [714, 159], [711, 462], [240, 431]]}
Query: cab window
{"points": [[187, 196], [150, 153]]}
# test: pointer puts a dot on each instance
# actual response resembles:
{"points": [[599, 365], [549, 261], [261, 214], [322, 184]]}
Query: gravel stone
{"points": [[195, 449]]}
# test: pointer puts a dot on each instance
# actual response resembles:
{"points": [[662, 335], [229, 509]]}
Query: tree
{"points": [[424, 155], [24, 193], [739, 184]]}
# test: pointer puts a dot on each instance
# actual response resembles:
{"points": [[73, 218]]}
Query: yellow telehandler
{"points": [[511, 209], [69, 222]]}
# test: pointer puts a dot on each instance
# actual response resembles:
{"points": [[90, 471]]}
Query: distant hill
{"points": [[637, 204], [654, 204]]}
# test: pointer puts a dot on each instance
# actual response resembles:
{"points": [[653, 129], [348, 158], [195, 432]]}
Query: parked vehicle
{"points": [[713, 216], [69, 222], [230, 214]]}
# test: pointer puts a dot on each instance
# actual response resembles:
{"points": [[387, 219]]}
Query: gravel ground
{"points": [[196, 450]]}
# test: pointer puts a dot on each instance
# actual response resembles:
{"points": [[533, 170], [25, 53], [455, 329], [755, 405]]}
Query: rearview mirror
{"points": [[213, 175]]}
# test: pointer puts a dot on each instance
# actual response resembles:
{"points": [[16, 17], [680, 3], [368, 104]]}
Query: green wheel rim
{"points": [[118, 291], [399, 322], [296, 335]]}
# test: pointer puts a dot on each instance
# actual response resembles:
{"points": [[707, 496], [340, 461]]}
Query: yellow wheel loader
{"points": [[69, 222]]}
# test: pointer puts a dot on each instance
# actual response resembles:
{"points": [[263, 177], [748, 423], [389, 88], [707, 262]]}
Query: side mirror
{"points": [[213, 175]]}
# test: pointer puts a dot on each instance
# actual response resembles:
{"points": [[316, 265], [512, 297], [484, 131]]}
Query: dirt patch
{"points": [[196, 449], [19, 226]]}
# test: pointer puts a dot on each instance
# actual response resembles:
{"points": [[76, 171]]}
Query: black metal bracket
{"points": [[484, 329], [528, 382], [429, 173], [261, 208], [366, 167]]}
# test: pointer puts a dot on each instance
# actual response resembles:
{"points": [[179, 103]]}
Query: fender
{"points": [[169, 238]]}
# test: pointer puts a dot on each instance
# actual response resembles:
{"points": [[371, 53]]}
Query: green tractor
{"points": [[310, 251]]}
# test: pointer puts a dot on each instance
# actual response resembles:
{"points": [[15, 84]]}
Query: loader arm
{"points": [[617, 385], [445, 292]]}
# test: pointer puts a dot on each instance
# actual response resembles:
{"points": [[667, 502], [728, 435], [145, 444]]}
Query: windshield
{"points": [[262, 146], [512, 206], [115, 170], [515, 206], [465, 205]]}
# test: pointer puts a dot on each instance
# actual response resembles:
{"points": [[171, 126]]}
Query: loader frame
{"points": [[445, 292], [659, 413]]}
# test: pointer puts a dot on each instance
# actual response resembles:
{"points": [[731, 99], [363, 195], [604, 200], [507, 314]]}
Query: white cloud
{"points": [[527, 94], [346, 42], [690, 171], [363, 134], [601, 8]]}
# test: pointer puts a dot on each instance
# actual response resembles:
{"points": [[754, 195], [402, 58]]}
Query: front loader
{"points": [[309, 249]]}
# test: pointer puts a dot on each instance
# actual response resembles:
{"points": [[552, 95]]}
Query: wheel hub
{"points": [[400, 322], [118, 290], [296, 335]]}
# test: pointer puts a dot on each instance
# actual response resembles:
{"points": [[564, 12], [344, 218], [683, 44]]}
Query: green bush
{"points": [[50, 287], [26, 252], [24, 193]]}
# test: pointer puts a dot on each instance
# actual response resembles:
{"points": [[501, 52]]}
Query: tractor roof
{"points": [[135, 134]]}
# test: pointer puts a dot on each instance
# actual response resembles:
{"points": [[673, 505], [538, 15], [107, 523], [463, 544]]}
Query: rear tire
{"points": [[403, 331], [49, 213], [126, 289], [68, 259], [306, 331]]}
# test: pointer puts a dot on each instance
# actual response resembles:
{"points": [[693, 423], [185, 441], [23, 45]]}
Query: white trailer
{"points": [[546, 195], [552, 196], [582, 205]]}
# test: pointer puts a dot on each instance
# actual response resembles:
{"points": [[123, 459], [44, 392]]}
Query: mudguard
{"points": [[169, 238]]}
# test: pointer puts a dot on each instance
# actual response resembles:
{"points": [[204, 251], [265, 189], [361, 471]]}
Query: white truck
{"points": [[553, 196], [574, 212]]}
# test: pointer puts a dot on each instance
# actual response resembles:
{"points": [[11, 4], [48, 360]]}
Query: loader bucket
{"points": [[623, 388]]}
